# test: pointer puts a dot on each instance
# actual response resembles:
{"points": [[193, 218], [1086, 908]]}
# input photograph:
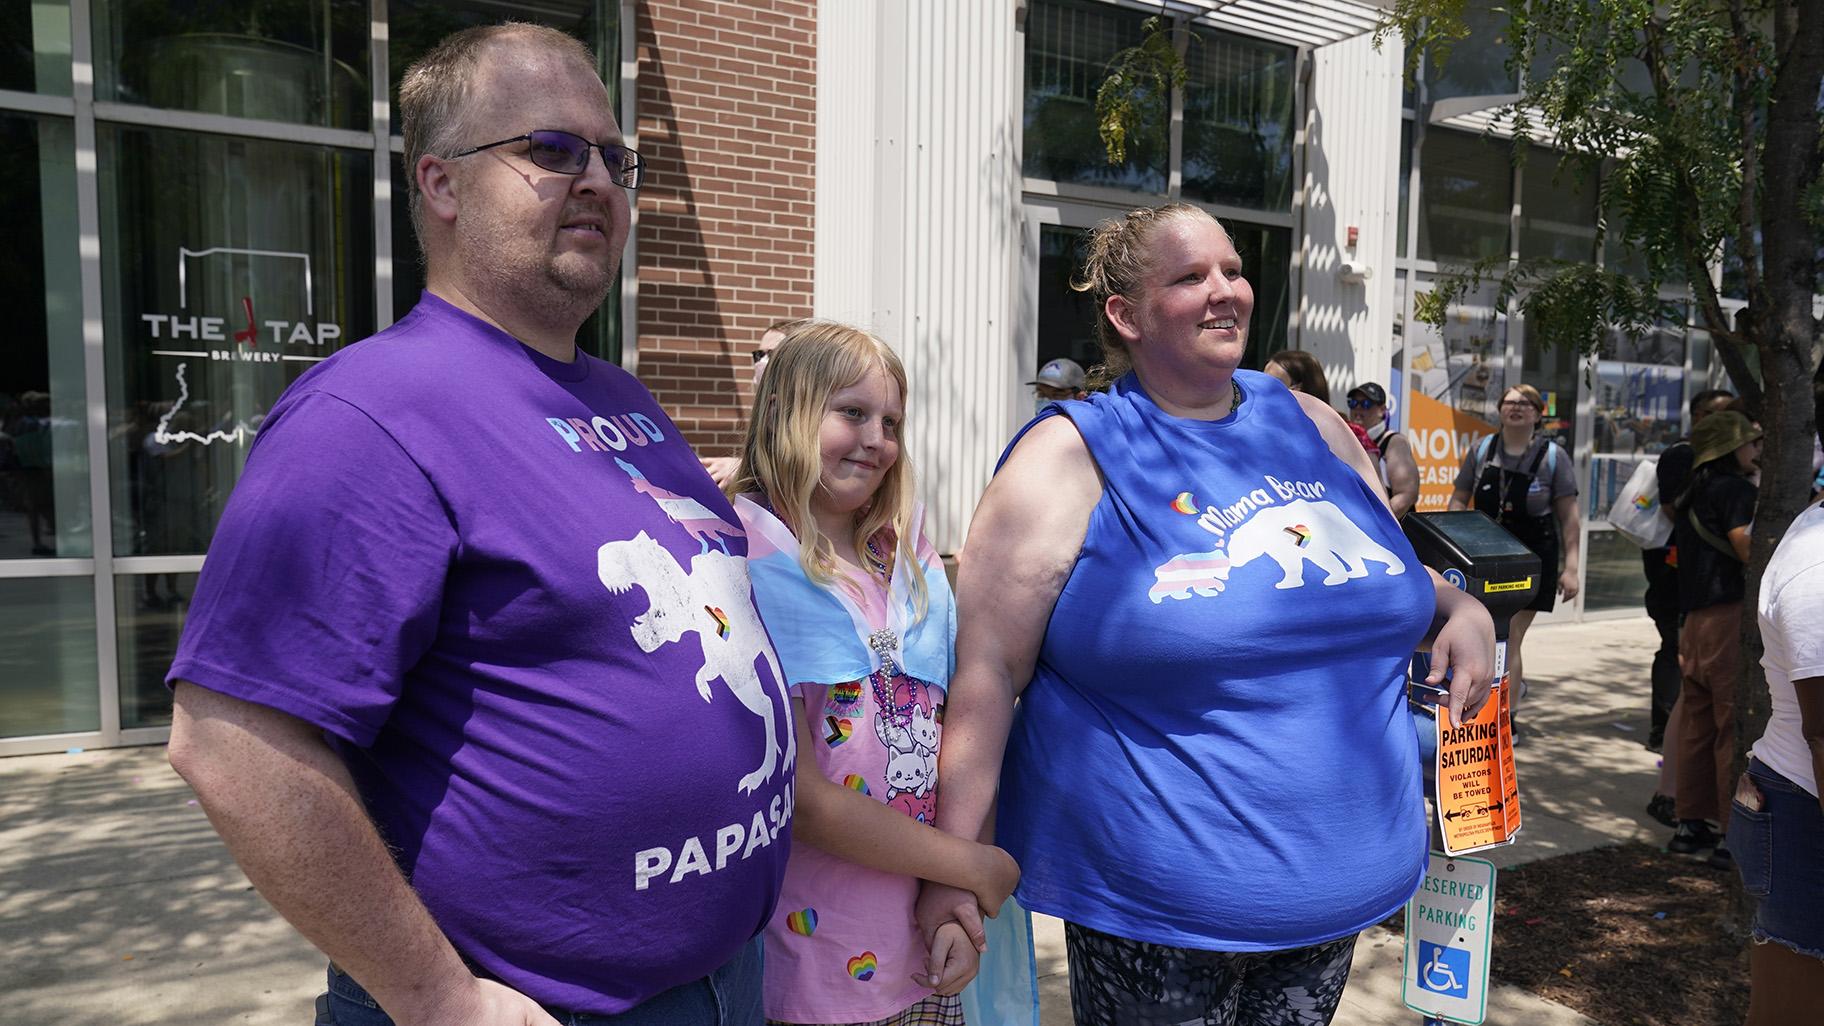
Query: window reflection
{"points": [[1465, 197], [301, 61], [1068, 47], [36, 57], [150, 611], [44, 444], [47, 656], [1238, 121], [233, 266]]}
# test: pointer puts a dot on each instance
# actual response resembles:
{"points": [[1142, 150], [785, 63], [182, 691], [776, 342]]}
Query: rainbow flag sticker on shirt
{"points": [[846, 694], [1300, 532], [802, 922], [840, 730], [855, 782], [862, 966]]}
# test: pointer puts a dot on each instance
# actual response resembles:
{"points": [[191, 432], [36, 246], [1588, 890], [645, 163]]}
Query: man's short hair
{"points": [[1703, 399], [434, 94]]}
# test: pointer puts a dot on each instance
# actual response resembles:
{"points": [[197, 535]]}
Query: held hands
{"points": [[953, 961], [996, 878], [1465, 650]]}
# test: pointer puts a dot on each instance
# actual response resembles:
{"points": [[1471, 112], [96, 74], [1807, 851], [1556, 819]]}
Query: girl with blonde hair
{"points": [[860, 612]]}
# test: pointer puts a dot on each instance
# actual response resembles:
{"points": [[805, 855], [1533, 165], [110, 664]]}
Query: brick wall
{"points": [[727, 125]]}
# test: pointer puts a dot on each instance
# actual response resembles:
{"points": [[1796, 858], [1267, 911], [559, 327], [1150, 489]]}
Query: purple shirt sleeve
{"points": [[323, 584]]}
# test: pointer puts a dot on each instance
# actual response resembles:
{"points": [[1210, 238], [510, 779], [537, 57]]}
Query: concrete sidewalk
{"points": [[119, 906]]}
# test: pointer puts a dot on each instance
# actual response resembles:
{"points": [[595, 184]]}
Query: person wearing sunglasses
{"points": [[467, 591], [722, 468], [1399, 471]]}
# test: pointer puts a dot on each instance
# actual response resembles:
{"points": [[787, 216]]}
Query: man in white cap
{"points": [[1058, 380]]}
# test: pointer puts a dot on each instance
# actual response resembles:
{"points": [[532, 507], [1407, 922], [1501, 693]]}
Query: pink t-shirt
{"points": [[842, 946]]}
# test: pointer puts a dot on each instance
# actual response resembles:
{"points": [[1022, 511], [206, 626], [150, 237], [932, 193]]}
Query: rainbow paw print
{"points": [[862, 966], [803, 922]]}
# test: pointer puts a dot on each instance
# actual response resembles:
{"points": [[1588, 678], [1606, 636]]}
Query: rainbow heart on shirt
{"points": [[1300, 532], [840, 730], [862, 966], [803, 922], [720, 619], [1185, 504], [846, 694], [855, 782]]}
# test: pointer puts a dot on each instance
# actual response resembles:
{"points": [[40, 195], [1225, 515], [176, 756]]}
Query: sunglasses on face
{"points": [[1362, 404], [568, 154]]}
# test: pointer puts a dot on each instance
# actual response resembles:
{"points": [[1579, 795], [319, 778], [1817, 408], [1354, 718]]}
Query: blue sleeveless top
{"points": [[1214, 751]]}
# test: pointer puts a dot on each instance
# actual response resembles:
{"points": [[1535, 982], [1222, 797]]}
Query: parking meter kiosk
{"points": [[1470, 765]]}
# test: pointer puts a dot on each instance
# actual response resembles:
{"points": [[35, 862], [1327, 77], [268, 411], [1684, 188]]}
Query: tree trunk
{"points": [[1784, 330]]}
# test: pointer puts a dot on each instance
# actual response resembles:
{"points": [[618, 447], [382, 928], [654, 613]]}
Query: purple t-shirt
{"points": [[508, 590]]}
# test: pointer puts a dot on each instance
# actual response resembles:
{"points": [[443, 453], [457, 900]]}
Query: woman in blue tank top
{"points": [[1194, 587]]}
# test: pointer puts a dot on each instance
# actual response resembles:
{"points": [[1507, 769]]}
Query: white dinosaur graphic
{"points": [[711, 600], [1302, 531]]}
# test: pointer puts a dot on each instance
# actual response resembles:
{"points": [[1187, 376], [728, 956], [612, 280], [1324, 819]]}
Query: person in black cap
{"points": [[1399, 470]]}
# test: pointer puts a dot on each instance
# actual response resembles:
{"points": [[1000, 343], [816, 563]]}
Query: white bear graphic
{"points": [[1318, 532], [681, 603]]}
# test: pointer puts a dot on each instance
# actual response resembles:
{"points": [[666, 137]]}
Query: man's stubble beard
{"points": [[546, 286]]}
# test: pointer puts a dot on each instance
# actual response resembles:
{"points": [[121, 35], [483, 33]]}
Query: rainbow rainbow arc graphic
{"points": [[1185, 504]]}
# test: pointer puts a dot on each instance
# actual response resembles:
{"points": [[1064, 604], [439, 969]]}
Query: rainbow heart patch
{"points": [[803, 922], [846, 694], [1301, 533], [720, 619], [840, 730], [862, 966]]}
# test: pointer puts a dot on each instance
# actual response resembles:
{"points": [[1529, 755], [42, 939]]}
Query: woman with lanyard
{"points": [[1526, 482]]}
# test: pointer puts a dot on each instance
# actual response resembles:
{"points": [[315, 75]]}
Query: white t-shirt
{"points": [[1791, 609]]}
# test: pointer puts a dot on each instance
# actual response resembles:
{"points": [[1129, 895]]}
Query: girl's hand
{"points": [[996, 877], [953, 961]]}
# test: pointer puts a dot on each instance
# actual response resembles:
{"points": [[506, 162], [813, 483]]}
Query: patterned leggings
{"points": [[935, 1010], [1120, 982]]}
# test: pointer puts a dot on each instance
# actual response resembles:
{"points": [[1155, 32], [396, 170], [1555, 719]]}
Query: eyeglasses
{"points": [[1362, 404], [568, 154], [1515, 404]]}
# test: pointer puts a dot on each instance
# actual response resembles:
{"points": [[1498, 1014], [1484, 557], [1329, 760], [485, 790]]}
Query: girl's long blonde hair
{"points": [[781, 456]]}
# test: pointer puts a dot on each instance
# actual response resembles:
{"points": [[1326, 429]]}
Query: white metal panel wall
{"points": [[1352, 165], [920, 241]]}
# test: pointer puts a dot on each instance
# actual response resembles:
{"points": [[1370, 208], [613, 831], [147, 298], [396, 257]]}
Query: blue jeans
{"points": [[1776, 850], [730, 996]]}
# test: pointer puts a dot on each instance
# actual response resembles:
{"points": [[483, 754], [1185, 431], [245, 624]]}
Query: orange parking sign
{"points": [[1478, 801]]}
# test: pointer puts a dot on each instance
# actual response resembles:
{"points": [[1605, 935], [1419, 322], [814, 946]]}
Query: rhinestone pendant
{"points": [[883, 642]]}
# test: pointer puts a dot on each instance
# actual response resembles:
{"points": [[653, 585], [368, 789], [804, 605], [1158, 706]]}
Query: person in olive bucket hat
{"points": [[1710, 526]]}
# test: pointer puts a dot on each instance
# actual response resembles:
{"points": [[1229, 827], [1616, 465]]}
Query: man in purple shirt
{"points": [[473, 685]]}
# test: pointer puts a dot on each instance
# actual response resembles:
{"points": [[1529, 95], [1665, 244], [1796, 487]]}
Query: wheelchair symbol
{"points": [[1443, 970]]}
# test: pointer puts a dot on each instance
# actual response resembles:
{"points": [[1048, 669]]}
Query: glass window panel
{"points": [[1463, 364], [1266, 262], [1613, 577], [1553, 370], [1557, 208], [36, 57], [1477, 64], [1400, 230], [149, 614], [1238, 121], [44, 439], [1640, 391], [1068, 47], [232, 266], [47, 656], [1067, 318], [414, 26], [1466, 185], [301, 61]]}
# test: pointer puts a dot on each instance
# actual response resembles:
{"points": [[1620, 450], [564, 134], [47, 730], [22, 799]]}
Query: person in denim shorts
{"points": [[1776, 826]]}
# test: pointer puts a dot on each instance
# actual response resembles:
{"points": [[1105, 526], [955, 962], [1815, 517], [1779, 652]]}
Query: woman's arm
{"points": [[853, 826], [1023, 542], [1342, 441], [1402, 474], [1570, 529]]}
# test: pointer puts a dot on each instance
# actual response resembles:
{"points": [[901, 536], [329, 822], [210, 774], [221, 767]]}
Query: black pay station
{"points": [[1477, 555]]}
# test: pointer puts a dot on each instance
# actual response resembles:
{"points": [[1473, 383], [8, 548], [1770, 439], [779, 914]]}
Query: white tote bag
{"points": [[1636, 510]]}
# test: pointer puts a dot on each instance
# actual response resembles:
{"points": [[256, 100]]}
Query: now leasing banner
{"points": [[1450, 926], [1478, 798]]}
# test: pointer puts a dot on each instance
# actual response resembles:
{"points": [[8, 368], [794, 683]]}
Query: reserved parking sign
{"points": [[1449, 930]]}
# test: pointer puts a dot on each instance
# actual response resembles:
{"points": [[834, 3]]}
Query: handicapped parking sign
{"points": [[1449, 933], [1443, 970]]}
